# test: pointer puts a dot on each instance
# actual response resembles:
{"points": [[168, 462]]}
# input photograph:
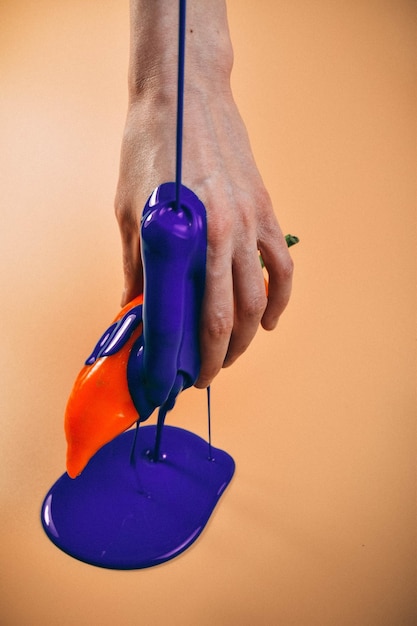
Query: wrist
{"points": [[153, 62]]}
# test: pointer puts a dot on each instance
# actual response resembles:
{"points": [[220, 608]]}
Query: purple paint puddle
{"points": [[126, 511]]}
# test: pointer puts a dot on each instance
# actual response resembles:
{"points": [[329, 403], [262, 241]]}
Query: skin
{"points": [[218, 165]]}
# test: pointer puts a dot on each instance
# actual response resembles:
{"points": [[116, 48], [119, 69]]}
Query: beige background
{"points": [[318, 526]]}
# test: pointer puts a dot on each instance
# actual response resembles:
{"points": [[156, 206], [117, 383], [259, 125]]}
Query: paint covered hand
{"points": [[218, 166]]}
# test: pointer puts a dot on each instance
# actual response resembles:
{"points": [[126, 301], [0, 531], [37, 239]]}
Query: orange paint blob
{"points": [[100, 407]]}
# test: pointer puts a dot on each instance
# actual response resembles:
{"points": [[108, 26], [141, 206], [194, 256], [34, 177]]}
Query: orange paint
{"points": [[99, 407]]}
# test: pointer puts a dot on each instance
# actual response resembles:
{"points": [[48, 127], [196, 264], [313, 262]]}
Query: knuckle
{"points": [[219, 327], [262, 199], [255, 307], [286, 269], [247, 218], [269, 229], [219, 229]]}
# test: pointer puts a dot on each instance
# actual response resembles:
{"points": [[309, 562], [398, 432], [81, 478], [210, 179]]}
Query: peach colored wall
{"points": [[318, 526]]}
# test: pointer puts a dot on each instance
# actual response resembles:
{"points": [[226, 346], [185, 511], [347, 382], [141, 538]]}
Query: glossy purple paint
{"points": [[166, 358], [127, 512], [147, 495]]}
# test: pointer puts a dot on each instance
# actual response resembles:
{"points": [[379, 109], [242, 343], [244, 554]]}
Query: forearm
{"points": [[154, 46]]}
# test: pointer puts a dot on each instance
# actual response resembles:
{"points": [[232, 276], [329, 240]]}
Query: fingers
{"points": [[235, 299], [217, 315], [235, 302], [249, 299], [279, 265]]}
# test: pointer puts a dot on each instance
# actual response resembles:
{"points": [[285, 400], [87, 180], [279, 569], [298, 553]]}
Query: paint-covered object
{"points": [[139, 498], [166, 358], [100, 406], [150, 353]]}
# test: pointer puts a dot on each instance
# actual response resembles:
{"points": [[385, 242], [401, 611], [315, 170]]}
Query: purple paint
{"points": [[166, 359], [126, 511], [146, 496]]}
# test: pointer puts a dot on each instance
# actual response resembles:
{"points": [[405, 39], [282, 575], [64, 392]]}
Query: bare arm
{"points": [[218, 166]]}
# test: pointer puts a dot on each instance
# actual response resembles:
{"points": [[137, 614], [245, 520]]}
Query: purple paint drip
{"points": [[120, 514]]}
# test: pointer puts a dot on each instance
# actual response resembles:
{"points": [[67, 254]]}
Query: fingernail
{"points": [[201, 384]]}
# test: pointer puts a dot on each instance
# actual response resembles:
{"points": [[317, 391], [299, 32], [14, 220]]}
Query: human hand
{"points": [[218, 166]]}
